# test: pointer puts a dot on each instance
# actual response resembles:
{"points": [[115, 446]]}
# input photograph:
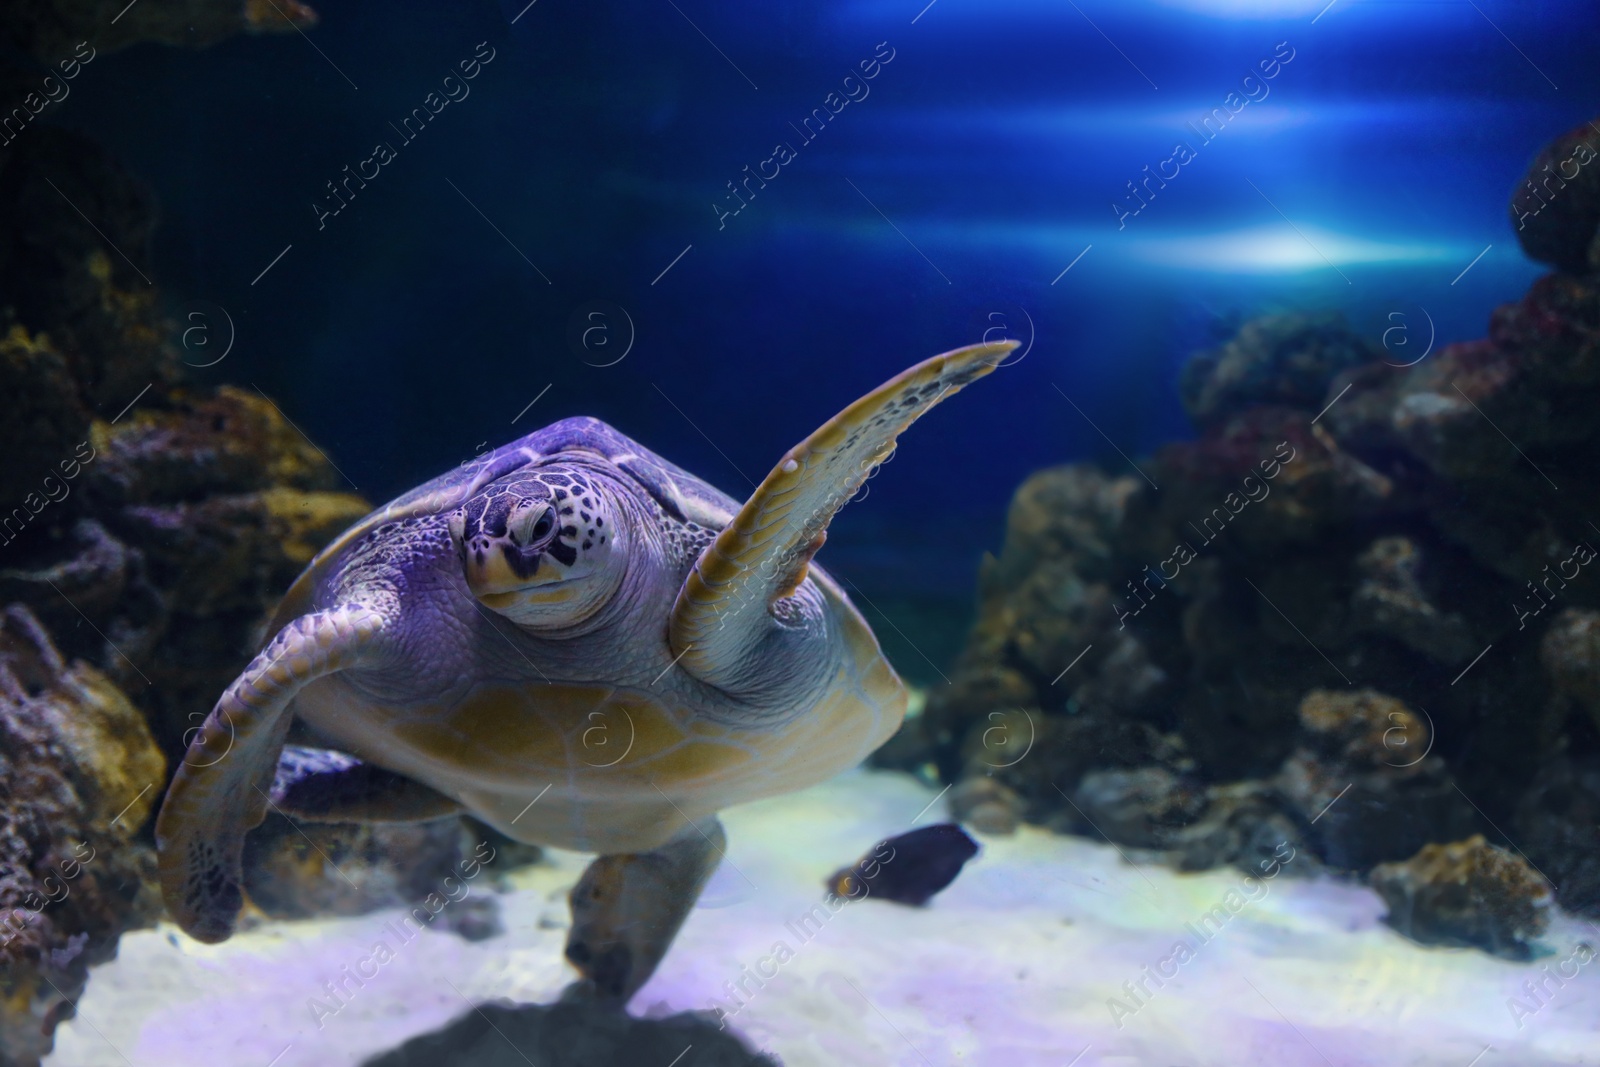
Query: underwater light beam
{"points": [[1297, 229], [1474, 263], [1074, 263]]}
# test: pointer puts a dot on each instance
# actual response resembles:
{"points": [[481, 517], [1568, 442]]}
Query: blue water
{"points": [[589, 169]]}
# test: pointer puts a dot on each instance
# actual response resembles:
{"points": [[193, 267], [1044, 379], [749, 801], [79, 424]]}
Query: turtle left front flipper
{"points": [[626, 909], [221, 790]]}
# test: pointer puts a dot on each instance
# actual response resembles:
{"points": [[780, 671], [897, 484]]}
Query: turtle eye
{"points": [[533, 524]]}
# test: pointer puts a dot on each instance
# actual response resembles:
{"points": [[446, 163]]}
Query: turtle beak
{"points": [[496, 566]]}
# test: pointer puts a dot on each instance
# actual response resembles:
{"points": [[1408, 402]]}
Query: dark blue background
{"points": [[409, 332]]}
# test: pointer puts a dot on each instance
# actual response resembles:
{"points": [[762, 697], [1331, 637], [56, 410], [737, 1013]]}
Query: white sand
{"points": [[1011, 966]]}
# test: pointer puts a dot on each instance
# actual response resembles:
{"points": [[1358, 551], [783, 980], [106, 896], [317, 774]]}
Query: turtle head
{"points": [[540, 547]]}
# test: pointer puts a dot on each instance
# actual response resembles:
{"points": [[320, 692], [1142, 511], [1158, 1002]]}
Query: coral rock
{"points": [[1390, 600], [1558, 823], [79, 776], [1366, 777], [1466, 893], [1556, 209], [1138, 807], [988, 806], [1365, 728], [1570, 652], [1286, 360]]}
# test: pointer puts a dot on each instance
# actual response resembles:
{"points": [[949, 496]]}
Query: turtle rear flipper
{"points": [[626, 909], [221, 790], [723, 610], [325, 785]]}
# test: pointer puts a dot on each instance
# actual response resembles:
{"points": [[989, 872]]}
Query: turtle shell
{"points": [[679, 493]]}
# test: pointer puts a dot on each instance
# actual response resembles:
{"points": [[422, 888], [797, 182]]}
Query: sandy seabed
{"points": [[1015, 965]]}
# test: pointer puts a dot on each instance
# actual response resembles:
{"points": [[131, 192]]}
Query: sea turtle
{"points": [[578, 643]]}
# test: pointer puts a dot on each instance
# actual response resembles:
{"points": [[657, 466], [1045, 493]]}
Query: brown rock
{"points": [[1556, 209], [1570, 653], [79, 774], [1284, 360], [1390, 600], [1466, 893]]}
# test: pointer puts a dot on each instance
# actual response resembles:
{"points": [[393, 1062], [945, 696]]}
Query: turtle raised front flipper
{"points": [[724, 612], [221, 790]]}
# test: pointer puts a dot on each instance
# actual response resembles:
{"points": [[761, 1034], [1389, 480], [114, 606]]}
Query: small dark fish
{"points": [[908, 869]]}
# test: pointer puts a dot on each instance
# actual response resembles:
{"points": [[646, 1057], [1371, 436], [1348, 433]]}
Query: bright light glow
{"points": [[1282, 249], [1250, 9]]}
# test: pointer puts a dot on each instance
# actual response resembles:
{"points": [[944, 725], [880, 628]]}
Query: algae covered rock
{"points": [[79, 776], [1364, 778], [1558, 822], [1286, 360], [1466, 893], [1570, 652], [1390, 599], [1556, 209]]}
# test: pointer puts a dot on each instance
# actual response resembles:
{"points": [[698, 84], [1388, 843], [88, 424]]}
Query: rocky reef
{"points": [[79, 775], [1358, 615]]}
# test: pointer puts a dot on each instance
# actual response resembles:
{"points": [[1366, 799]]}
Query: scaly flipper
{"points": [[722, 611], [221, 790], [322, 785], [626, 910]]}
